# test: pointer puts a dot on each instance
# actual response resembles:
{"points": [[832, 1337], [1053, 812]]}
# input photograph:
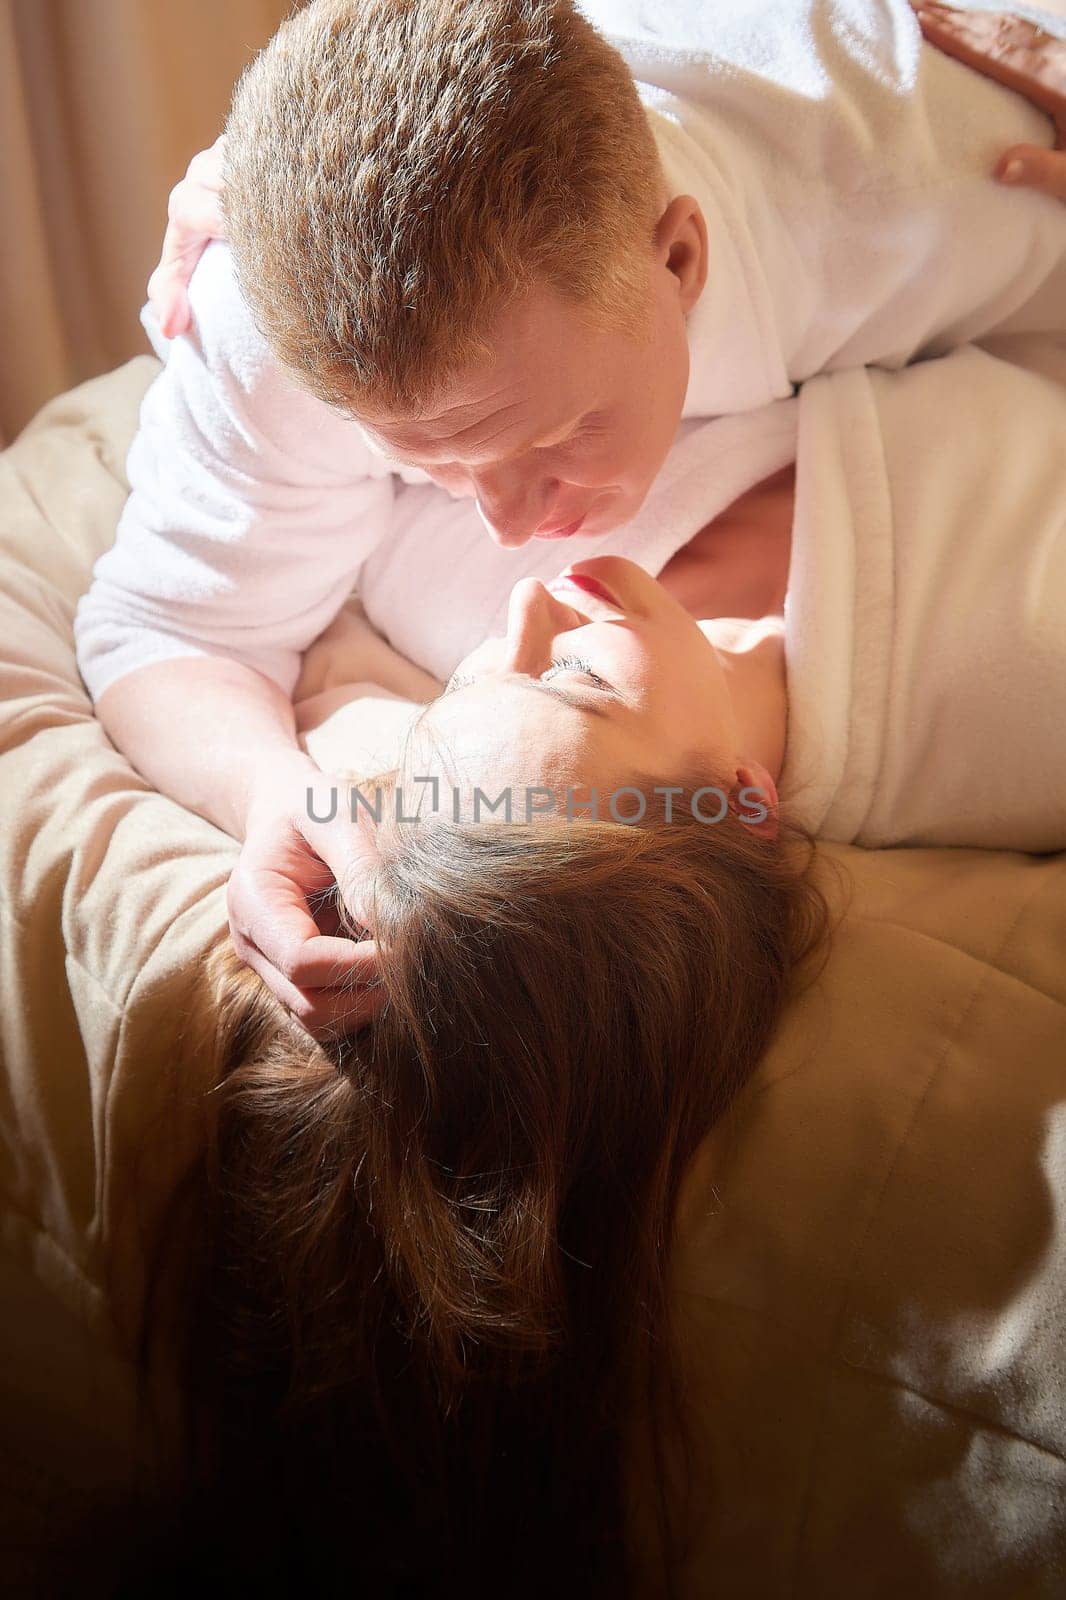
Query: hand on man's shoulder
{"points": [[223, 347]]}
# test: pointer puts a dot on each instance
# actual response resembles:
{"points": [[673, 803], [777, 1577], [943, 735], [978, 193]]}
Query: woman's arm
{"points": [[194, 218], [1021, 56]]}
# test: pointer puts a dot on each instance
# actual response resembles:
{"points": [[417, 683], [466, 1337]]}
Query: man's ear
{"points": [[754, 799], [681, 247]]}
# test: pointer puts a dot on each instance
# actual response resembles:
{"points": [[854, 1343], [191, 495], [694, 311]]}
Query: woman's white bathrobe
{"points": [[926, 611], [925, 621], [842, 167]]}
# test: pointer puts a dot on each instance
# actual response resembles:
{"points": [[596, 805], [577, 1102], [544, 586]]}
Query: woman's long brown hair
{"points": [[430, 1268]]}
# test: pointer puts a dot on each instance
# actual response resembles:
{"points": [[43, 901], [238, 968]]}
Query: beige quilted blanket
{"points": [[871, 1251]]}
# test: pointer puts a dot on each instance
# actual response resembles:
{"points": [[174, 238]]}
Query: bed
{"points": [[870, 1253]]}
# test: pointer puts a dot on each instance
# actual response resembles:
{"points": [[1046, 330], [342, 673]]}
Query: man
{"points": [[473, 251], [1012, 50]]}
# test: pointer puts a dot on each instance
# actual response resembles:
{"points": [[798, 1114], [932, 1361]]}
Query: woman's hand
{"points": [[1021, 56], [195, 219], [288, 862]]}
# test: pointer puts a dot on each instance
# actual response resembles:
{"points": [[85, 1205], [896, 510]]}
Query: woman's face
{"points": [[601, 674]]}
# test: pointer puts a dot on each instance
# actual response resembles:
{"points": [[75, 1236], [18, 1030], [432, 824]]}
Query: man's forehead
{"points": [[538, 380], [462, 410], [498, 426]]}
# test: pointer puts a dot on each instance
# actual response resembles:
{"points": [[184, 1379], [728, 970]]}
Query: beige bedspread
{"points": [[870, 1256]]}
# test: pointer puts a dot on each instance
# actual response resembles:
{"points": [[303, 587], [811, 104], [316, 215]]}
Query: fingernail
{"points": [[1013, 172], [173, 321]]}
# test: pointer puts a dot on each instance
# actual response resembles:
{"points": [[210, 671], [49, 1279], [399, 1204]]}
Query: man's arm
{"points": [[252, 507], [219, 738], [208, 732]]}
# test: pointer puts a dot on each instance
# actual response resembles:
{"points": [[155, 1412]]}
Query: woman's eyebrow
{"points": [[557, 691], [571, 698]]}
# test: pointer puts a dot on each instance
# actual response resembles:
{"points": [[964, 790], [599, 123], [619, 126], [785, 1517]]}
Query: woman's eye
{"points": [[572, 664], [563, 664]]}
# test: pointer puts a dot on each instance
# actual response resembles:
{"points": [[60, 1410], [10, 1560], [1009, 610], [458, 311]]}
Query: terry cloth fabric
{"points": [[843, 169], [255, 508], [926, 610]]}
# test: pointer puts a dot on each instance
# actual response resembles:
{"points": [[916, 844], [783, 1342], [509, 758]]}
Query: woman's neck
{"points": [[752, 654]]}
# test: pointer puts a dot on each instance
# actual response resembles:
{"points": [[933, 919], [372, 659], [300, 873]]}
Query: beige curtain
{"points": [[102, 103]]}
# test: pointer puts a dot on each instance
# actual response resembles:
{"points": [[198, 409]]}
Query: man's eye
{"points": [[588, 428]]}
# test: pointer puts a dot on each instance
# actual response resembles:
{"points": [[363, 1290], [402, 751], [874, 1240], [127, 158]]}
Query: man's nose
{"points": [[512, 505], [534, 617]]}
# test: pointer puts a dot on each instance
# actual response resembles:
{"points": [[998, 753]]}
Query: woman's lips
{"points": [[560, 533], [590, 586]]}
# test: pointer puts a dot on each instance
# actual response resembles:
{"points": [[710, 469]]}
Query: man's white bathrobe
{"points": [[842, 166]]}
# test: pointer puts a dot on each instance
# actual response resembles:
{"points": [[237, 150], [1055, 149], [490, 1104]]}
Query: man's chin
{"points": [[598, 523]]}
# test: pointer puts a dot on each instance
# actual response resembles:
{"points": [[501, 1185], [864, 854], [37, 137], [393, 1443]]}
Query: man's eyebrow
{"points": [[555, 434], [556, 690]]}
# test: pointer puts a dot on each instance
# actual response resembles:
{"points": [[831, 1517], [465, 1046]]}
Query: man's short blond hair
{"points": [[396, 170]]}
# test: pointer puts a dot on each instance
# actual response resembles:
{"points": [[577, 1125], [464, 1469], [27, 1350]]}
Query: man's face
{"points": [[564, 434]]}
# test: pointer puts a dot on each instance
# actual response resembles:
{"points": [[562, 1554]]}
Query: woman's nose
{"points": [[534, 618], [512, 504]]}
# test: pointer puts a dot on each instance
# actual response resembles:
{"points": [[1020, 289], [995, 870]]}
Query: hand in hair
{"points": [[289, 862], [195, 218], [1021, 56]]}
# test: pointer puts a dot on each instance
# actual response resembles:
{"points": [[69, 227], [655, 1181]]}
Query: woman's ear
{"points": [[754, 799]]}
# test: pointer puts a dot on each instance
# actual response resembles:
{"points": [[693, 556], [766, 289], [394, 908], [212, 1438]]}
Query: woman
{"points": [[922, 623], [432, 1298], [432, 1258], [430, 1285]]}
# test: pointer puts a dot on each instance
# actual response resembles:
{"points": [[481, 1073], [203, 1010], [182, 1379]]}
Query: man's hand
{"points": [[328, 984], [195, 218], [1021, 56], [219, 738]]}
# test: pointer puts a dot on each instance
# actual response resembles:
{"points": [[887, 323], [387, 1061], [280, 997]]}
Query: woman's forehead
{"points": [[500, 729]]}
